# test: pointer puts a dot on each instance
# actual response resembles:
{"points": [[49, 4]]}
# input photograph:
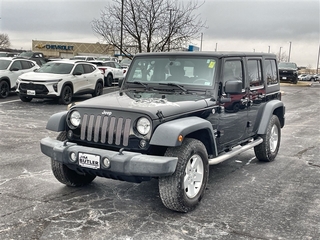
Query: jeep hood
{"points": [[148, 103]]}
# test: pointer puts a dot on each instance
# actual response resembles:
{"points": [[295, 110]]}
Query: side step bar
{"points": [[235, 151]]}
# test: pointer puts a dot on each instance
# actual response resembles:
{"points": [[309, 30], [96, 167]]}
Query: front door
{"points": [[233, 116]]}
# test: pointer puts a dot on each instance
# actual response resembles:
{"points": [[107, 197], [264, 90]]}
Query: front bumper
{"points": [[125, 163]]}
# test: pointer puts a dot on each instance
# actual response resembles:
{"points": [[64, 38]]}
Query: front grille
{"points": [[105, 129], [40, 88]]}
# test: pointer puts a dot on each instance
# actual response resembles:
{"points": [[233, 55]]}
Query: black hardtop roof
{"points": [[218, 54]]}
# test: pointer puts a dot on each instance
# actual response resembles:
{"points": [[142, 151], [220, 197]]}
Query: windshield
{"points": [[56, 68], [287, 65], [4, 64], [26, 54], [177, 70]]}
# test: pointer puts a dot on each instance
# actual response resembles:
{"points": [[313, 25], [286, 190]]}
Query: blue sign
{"points": [[193, 48]]}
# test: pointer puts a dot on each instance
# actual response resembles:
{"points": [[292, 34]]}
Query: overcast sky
{"points": [[233, 25]]}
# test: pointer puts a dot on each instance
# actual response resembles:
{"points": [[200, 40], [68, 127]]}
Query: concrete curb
{"points": [[302, 84]]}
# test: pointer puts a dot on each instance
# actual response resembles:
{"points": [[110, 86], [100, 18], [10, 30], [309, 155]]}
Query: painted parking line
{"points": [[17, 100]]}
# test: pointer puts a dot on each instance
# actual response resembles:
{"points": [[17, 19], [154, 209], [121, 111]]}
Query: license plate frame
{"points": [[89, 160], [31, 92]]}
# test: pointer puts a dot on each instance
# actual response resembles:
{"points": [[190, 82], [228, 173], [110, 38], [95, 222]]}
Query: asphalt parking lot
{"points": [[245, 199]]}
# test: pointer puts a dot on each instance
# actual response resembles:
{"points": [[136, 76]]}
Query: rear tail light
{"points": [[103, 70]]}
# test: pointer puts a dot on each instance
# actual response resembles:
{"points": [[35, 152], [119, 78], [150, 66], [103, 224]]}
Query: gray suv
{"points": [[175, 114]]}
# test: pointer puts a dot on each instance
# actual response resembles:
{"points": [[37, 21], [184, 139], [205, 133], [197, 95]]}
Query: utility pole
{"points": [[268, 49], [318, 59], [201, 42]]}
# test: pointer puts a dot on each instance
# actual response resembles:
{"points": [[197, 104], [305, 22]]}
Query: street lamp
{"points": [[289, 52], [268, 49], [216, 47]]}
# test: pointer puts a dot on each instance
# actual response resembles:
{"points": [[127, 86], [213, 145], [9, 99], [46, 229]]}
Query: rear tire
{"points": [[66, 95], [98, 90], [67, 176], [268, 149], [183, 190], [4, 89]]}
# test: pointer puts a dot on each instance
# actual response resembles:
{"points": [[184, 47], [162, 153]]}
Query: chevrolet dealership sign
{"points": [[54, 47]]}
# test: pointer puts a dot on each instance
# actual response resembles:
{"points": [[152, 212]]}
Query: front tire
{"points": [[268, 149], [66, 95], [108, 80], [4, 89], [25, 99], [67, 176], [183, 190]]}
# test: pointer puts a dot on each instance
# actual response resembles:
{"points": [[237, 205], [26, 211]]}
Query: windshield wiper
{"points": [[140, 83], [175, 85]]}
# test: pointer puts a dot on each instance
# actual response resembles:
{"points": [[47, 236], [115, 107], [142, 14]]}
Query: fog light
{"points": [[143, 143], [73, 157], [106, 162]]}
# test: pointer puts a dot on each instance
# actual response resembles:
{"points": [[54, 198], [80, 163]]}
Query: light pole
{"points": [[268, 49], [201, 42], [216, 47], [289, 52], [280, 54], [169, 9], [318, 59], [121, 33]]}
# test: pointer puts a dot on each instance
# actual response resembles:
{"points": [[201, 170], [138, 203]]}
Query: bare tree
{"points": [[148, 26], [4, 41]]}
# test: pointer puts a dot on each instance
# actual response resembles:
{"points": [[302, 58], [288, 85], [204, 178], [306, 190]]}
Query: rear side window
{"points": [[88, 68], [27, 64], [16, 64], [271, 71], [255, 73]]}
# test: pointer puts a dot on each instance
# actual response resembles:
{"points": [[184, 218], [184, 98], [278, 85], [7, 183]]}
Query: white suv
{"points": [[61, 79], [10, 70], [112, 71]]}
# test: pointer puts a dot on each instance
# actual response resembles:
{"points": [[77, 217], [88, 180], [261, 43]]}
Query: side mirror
{"points": [[233, 87], [14, 69], [77, 73]]}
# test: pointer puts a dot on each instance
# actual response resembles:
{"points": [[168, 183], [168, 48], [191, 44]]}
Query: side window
{"points": [[88, 68], [117, 65], [254, 72], [16, 64], [26, 64], [271, 71], [233, 70], [79, 69]]}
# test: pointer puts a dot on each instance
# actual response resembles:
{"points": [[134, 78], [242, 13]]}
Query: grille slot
{"points": [[105, 129]]}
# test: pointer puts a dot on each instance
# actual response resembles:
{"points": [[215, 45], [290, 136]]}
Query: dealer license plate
{"points": [[31, 92], [284, 78], [89, 160]]}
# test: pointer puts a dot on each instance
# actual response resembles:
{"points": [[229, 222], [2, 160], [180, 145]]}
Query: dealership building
{"points": [[70, 49]]}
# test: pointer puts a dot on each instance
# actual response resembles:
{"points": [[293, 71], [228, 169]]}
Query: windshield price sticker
{"points": [[89, 160]]}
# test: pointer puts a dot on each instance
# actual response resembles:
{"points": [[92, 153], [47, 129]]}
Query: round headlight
{"points": [[75, 118], [143, 126]]}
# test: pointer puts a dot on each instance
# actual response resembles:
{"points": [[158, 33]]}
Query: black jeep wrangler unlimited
{"points": [[175, 114]]}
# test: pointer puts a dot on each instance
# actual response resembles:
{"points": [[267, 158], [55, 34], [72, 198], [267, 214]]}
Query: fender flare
{"points": [[167, 133], [268, 111], [57, 122]]}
